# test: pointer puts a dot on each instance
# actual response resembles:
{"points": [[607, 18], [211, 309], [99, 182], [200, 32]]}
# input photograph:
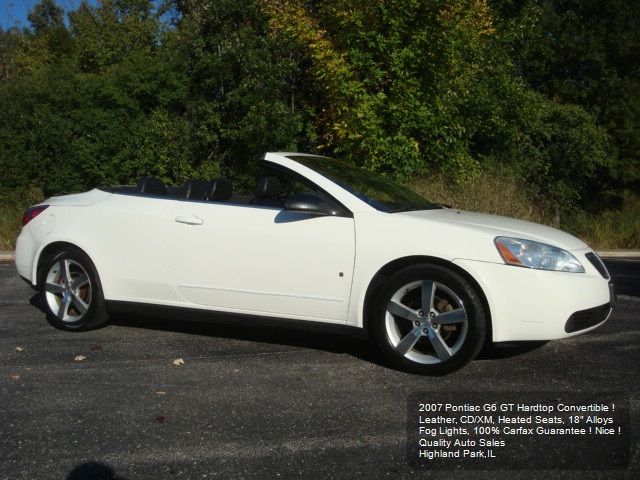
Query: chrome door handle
{"points": [[190, 220]]}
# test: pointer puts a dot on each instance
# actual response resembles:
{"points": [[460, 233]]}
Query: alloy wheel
{"points": [[426, 322], [68, 290]]}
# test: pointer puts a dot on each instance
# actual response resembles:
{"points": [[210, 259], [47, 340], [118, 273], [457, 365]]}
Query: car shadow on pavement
{"points": [[35, 302], [508, 349], [312, 335], [329, 338]]}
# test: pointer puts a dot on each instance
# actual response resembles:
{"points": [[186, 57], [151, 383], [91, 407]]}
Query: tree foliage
{"points": [[547, 89], [242, 84], [104, 109], [583, 52]]}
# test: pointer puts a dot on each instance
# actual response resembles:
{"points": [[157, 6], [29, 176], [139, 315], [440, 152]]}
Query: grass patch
{"points": [[485, 193], [500, 194], [609, 229]]}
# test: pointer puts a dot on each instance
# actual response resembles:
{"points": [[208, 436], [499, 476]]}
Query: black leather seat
{"points": [[195, 189], [268, 193], [151, 186], [220, 190], [217, 190]]}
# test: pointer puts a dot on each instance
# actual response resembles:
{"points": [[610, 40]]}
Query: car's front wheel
{"points": [[427, 319], [70, 291]]}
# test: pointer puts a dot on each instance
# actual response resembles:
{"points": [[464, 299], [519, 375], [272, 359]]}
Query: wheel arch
{"points": [[46, 252], [394, 266]]}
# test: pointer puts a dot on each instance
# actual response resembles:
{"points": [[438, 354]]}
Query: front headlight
{"points": [[527, 253]]}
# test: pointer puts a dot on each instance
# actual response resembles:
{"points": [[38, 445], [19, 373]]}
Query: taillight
{"points": [[32, 212]]}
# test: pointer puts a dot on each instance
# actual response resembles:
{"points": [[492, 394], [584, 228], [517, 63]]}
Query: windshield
{"points": [[380, 193]]}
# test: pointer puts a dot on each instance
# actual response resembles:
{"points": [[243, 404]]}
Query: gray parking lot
{"points": [[256, 402]]}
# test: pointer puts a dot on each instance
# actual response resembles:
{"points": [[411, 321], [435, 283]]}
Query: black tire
{"points": [[93, 313], [464, 339]]}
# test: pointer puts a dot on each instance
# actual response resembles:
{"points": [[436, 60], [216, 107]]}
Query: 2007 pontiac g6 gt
{"points": [[317, 240]]}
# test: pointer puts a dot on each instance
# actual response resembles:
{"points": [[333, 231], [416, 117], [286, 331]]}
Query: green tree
{"points": [[392, 80], [9, 47], [45, 15], [106, 108], [405, 87], [243, 85], [583, 52]]}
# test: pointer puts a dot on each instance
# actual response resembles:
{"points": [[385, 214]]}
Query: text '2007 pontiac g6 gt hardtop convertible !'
{"points": [[316, 241]]}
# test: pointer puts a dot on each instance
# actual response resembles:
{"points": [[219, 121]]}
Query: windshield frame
{"points": [[343, 174]]}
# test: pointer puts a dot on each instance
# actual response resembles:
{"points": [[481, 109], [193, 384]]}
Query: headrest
{"points": [[268, 187], [151, 185], [195, 189], [220, 190]]}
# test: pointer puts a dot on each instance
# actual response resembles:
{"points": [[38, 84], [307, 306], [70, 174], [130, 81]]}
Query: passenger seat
{"points": [[151, 186], [195, 189], [219, 190], [268, 192]]}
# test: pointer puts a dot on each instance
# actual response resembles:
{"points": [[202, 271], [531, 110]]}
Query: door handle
{"points": [[190, 220]]}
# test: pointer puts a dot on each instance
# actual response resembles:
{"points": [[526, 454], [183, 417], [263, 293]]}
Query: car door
{"points": [[235, 256]]}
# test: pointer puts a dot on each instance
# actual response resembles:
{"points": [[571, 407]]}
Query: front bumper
{"points": [[527, 304], [585, 319]]}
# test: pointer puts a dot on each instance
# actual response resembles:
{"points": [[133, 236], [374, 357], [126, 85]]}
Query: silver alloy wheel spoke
{"points": [[397, 308], [409, 340], [63, 309], [68, 290], [454, 316], [53, 288], [80, 281], [439, 345], [416, 302], [65, 273], [428, 292], [79, 304]]}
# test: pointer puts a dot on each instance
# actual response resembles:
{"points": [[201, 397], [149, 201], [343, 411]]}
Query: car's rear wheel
{"points": [[427, 319], [70, 291]]}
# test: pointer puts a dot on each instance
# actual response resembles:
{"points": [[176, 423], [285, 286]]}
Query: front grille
{"points": [[587, 318], [596, 262]]}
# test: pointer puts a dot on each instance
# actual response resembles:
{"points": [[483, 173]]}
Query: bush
{"points": [[498, 192], [12, 207], [609, 229], [561, 152]]}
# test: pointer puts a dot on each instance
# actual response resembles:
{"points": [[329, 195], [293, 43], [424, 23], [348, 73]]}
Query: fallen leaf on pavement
{"points": [[14, 376], [178, 362], [161, 419], [95, 347], [80, 358], [19, 349], [160, 392]]}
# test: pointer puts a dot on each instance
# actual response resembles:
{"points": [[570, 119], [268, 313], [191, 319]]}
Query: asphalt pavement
{"points": [[626, 275], [259, 403]]}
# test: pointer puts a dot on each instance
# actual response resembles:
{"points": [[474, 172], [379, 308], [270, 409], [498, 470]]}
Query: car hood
{"points": [[502, 226]]}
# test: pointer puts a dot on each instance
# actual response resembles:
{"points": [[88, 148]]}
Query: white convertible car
{"points": [[317, 241]]}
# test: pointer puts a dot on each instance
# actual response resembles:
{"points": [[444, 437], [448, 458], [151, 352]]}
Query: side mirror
{"points": [[307, 203]]}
